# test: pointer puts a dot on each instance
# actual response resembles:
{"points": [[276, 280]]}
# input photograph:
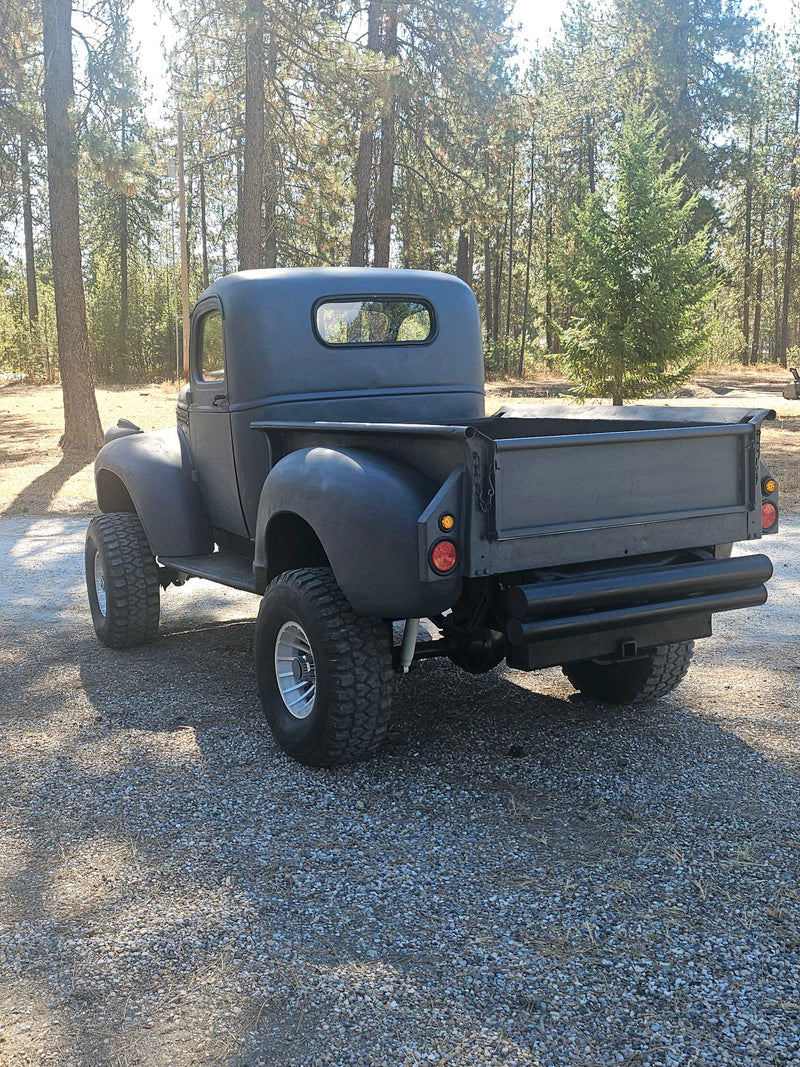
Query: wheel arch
{"points": [[292, 543], [112, 493], [360, 510], [151, 475]]}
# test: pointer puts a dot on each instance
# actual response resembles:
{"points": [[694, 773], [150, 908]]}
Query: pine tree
{"points": [[639, 280], [82, 431], [685, 60]]}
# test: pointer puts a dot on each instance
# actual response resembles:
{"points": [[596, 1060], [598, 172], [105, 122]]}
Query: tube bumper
{"points": [[555, 619]]}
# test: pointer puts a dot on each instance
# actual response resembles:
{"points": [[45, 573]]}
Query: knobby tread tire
{"points": [[636, 681], [353, 659], [131, 580]]}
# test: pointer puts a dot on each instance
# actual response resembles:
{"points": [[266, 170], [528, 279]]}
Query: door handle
{"points": [[219, 400]]}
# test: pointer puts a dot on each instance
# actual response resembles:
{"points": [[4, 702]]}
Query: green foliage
{"points": [[684, 60], [725, 342], [27, 350], [639, 279], [492, 160]]}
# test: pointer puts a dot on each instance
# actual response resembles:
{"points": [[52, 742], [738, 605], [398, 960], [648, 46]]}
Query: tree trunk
{"points": [[616, 392], [250, 216], [238, 156], [366, 146], [487, 281], [464, 257], [27, 223], [384, 192], [119, 361], [271, 162], [776, 297], [499, 274], [511, 237], [526, 297], [223, 240], [548, 271], [783, 333], [755, 341], [758, 294], [748, 240], [82, 431], [203, 227]]}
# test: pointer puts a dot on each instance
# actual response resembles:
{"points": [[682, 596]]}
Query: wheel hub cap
{"points": [[294, 670], [100, 584]]}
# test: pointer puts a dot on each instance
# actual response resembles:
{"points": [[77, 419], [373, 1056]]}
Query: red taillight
{"points": [[444, 556], [769, 516]]}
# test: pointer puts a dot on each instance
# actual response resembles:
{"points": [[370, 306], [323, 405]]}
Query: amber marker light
{"points": [[444, 556], [447, 522], [769, 485]]}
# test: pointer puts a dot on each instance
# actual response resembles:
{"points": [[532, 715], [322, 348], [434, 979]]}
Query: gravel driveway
{"points": [[521, 877]]}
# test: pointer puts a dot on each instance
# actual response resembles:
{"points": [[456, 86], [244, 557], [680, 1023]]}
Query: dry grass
{"points": [[35, 478], [780, 450]]}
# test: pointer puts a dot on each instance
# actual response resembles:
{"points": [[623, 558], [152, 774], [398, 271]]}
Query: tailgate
{"points": [[572, 497]]}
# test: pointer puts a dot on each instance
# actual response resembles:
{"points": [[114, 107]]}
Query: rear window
{"points": [[386, 320]]}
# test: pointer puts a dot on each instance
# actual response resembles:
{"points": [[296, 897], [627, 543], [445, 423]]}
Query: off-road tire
{"points": [[130, 578], [635, 681], [352, 659]]}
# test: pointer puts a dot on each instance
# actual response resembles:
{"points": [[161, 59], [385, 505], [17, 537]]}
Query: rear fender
{"points": [[151, 474], [363, 509]]}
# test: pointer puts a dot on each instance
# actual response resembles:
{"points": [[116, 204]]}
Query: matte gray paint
{"points": [[156, 470], [450, 500], [274, 353], [277, 368], [646, 413], [559, 499], [364, 508], [210, 432]]}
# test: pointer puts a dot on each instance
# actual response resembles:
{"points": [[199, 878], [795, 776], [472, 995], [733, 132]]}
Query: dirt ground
{"points": [[36, 479]]}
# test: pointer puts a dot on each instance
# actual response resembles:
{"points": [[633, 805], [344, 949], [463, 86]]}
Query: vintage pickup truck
{"points": [[332, 455]]}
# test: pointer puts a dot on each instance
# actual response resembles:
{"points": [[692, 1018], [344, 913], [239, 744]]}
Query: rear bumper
{"points": [[617, 615]]}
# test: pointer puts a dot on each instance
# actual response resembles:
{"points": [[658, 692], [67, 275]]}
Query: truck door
{"points": [[210, 438]]}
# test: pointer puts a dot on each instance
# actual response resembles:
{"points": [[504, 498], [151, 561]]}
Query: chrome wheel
{"points": [[295, 670], [100, 583]]}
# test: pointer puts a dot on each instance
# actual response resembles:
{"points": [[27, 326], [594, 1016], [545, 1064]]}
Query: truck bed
{"points": [[547, 486]]}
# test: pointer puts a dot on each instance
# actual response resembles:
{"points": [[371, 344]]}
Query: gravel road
{"points": [[520, 877]]}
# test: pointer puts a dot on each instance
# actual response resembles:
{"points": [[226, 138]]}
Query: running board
{"points": [[221, 567]]}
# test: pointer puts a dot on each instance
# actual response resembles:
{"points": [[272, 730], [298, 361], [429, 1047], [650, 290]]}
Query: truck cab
{"points": [[319, 344]]}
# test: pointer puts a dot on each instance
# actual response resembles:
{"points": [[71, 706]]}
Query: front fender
{"points": [[151, 474], [364, 509]]}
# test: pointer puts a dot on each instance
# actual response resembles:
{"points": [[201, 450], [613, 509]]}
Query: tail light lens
{"points": [[769, 516], [444, 556]]}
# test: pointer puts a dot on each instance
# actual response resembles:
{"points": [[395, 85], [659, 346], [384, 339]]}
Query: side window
{"points": [[211, 364]]}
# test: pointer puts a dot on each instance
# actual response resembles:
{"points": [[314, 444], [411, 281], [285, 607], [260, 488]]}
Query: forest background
{"points": [[410, 134]]}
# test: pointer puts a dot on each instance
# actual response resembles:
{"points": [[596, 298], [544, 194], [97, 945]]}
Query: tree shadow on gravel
{"points": [[204, 678], [180, 892]]}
